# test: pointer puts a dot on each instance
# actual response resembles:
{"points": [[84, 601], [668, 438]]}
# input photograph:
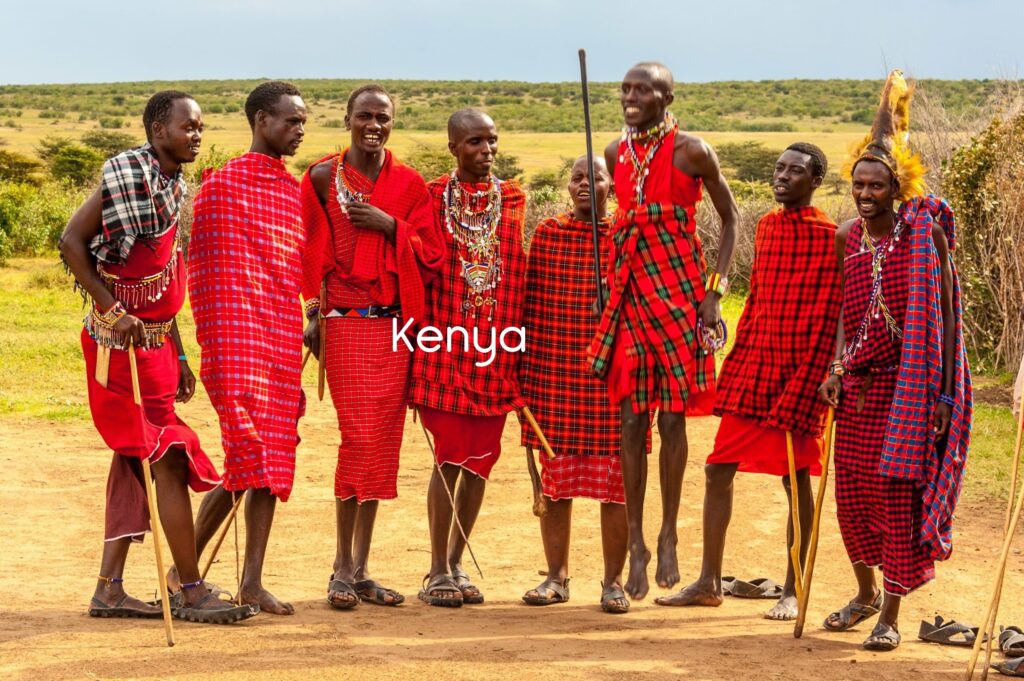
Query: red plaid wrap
{"points": [[570, 404], [369, 380], [245, 272], [657, 274], [786, 334], [451, 381], [879, 517]]}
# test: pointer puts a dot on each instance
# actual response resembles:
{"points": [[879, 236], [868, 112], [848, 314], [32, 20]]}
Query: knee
{"points": [[174, 463], [671, 424], [717, 477], [632, 423]]}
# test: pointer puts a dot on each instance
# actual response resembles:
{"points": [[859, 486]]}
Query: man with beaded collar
{"points": [[123, 248], [900, 381], [372, 245], [462, 394], [646, 347]]}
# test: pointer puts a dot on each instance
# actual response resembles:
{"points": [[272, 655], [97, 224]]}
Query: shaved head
{"points": [[600, 167], [659, 74], [466, 119]]}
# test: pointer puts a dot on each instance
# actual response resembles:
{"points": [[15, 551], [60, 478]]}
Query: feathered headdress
{"points": [[889, 140]]}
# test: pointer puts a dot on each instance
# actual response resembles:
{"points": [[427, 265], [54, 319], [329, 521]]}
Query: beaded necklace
{"points": [[346, 194], [877, 307], [642, 164], [475, 231]]}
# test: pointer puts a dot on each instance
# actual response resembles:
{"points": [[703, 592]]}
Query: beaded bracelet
{"points": [[312, 308], [182, 358], [111, 316], [947, 399], [836, 368], [717, 283], [709, 342]]}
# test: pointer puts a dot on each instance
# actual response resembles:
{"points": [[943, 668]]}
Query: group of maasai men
{"points": [[863, 317]]}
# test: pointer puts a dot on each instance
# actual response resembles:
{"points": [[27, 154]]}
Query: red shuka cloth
{"points": [[786, 334], [450, 381], [646, 346], [245, 272], [879, 517], [152, 430], [762, 449], [368, 379], [570, 404], [470, 442]]}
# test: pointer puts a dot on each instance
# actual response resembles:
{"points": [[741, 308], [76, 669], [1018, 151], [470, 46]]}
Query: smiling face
{"points": [[473, 141], [644, 96], [283, 128], [579, 187], [180, 136], [793, 181], [874, 189], [371, 120]]}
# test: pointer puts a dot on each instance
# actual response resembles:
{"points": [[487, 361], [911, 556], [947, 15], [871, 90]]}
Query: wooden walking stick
{"points": [[154, 513], [812, 550], [985, 634], [794, 496], [540, 505], [223, 533], [590, 174], [537, 431]]}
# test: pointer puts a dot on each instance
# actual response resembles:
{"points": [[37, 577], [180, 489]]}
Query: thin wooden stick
{"points": [[154, 512], [794, 496], [812, 550], [997, 590], [986, 633], [223, 533], [540, 506], [538, 432]]}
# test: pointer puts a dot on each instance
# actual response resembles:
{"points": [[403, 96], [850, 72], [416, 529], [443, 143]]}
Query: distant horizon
{"points": [[116, 41]]}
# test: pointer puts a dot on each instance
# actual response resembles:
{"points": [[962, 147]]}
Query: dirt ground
{"points": [[51, 500]]}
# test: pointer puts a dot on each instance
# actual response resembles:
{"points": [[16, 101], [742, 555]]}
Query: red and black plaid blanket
{"points": [[786, 334], [451, 381], [570, 404]]}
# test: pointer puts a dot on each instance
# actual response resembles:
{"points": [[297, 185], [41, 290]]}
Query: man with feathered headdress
{"points": [[900, 381]]}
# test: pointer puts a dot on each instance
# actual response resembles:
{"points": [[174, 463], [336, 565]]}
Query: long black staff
{"points": [[590, 174]]}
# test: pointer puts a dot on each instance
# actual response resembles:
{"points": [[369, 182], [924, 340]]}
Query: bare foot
{"points": [[267, 601], [695, 594], [637, 586], [173, 580], [112, 598], [784, 610], [667, 574]]}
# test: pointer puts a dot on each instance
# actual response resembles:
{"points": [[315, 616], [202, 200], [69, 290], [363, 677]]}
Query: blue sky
{"points": [[58, 41]]}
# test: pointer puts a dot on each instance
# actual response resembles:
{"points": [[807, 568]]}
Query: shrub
{"points": [[111, 122], [430, 162], [33, 217], [748, 161], [109, 143], [15, 167], [76, 164], [507, 167], [334, 123]]}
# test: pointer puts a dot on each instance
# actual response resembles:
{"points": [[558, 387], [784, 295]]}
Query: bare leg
{"points": [[614, 541], [363, 538], [346, 512], [786, 608], [890, 613], [672, 464], [555, 530], [439, 517], [468, 500], [634, 479], [115, 554], [259, 516], [213, 509], [718, 489]]}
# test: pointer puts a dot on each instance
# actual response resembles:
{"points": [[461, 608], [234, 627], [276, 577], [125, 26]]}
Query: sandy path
{"points": [[51, 515]]}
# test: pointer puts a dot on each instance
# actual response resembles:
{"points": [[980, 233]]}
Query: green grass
{"points": [[42, 373]]}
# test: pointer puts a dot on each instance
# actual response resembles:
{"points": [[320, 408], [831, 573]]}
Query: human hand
{"points": [[365, 216], [131, 327], [311, 336], [940, 420], [186, 382], [831, 390]]}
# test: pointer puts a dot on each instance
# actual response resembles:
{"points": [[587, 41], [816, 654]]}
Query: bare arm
{"points": [[611, 156], [186, 379], [74, 246], [832, 388]]}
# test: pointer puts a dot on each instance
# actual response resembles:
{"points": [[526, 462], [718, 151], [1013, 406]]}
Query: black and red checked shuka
{"points": [[784, 341], [569, 402], [879, 517], [462, 404]]}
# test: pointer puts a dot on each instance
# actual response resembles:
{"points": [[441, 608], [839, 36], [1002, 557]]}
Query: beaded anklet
{"points": [[110, 580]]}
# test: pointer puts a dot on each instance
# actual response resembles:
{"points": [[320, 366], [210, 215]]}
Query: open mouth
{"points": [[372, 139], [632, 110], [866, 206]]}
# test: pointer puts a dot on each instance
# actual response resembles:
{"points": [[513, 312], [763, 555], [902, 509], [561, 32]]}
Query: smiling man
{"points": [[646, 347], [373, 244], [461, 394], [124, 248], [245, 272], [783, 345]]}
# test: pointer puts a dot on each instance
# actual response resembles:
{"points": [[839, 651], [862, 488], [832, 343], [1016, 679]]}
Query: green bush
{"points": [[109, 143], [748, 161], [76, 164], [506, 166], [111, 122], [15, 167], [211, 159], [431, 162], [33, 217]]}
